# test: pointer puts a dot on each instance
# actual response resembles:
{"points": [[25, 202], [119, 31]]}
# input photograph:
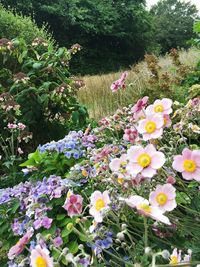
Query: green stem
{"points": [[145, 232]]}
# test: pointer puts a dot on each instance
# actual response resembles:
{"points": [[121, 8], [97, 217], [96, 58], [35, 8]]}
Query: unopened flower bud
{"points": [[147, 250], [165, 254], [124, 226], [120, 236]]}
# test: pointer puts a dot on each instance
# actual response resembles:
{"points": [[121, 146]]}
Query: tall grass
{"points": [[99, 99]]}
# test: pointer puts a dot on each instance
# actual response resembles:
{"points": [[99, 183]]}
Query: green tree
{"points": [[173, 23], [113, 33]]}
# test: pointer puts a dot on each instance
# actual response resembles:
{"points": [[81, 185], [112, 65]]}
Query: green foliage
{"points": [[173, 21], [14, 25], [113, 34], [35, 89]]}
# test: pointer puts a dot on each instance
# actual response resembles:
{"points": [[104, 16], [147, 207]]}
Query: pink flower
{"points": [[188, 164], [120, 83], [118, 165], [21, 126], [130, 135], [73, 204], [19, 247], [45, 222], [163, 197], [143, 207], [144, 160], [162, 106], [40, 257], [99, 202], [140, 105], [12, 125], [151, 127]]}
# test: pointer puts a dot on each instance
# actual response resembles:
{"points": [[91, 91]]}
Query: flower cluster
{"points": [[135, 159]]}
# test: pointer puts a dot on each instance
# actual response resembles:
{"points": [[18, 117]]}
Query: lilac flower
{"points": [[57, 241]]}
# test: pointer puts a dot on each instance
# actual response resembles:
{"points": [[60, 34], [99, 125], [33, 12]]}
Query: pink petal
{"points": [[167, 103], [141, 126], [170, 205], [115, 165], [106, 197], [147, 137], [148, 172], [134, 152], [196, 174], [157, 133], [188, 175], [134, 168], [159, 120], [150, 150], [157, 160], [178, 163], [196, 157], [95, 196], [187, 153]]}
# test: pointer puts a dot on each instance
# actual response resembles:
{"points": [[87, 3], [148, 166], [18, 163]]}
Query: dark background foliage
{"points": [[113, 34]]}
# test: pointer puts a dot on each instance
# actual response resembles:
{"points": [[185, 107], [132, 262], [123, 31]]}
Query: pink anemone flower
{"points": [[144, 160], [19, 247], [118, 165], [99, 202], [151, 127], [188, 164], [40, 257], [163, 197], [140, 105], [130, 135], [120, 83], [144, 208], [162, 106], [73, 204]]}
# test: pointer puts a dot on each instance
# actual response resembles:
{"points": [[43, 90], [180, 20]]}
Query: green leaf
{"points": [[73, 246], [60, 217]]}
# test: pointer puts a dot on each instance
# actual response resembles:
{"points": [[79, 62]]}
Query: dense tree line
{"points": [[113, 33]]}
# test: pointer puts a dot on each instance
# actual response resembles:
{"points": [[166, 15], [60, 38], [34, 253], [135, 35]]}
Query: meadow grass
{"points": [[99, 99]]}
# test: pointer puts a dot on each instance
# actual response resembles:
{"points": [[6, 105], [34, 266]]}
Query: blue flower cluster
{"points": [[54, 187], [104, 243], [72, 145]]}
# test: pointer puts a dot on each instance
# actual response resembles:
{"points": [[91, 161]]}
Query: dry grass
{"points": [[100, 100]]}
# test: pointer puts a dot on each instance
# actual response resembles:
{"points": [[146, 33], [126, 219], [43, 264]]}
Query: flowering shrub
{"points": [[36, 91], [125, 193]]}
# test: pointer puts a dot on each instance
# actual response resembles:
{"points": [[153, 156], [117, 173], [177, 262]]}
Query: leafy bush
{"points": [[13, 25], [36, 90], [120, 196]]}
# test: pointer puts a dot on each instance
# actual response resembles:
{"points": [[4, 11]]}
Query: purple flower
{"points": [[57, 241]]}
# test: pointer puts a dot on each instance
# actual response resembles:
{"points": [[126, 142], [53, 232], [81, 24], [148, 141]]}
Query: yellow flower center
{"points": [[174, 260], [159, 108], [150, 127], [40, 262], [100, 204], [161, 198], [144, 160], [145, 207], [84, 173], [120, 180], [189, 165]]}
